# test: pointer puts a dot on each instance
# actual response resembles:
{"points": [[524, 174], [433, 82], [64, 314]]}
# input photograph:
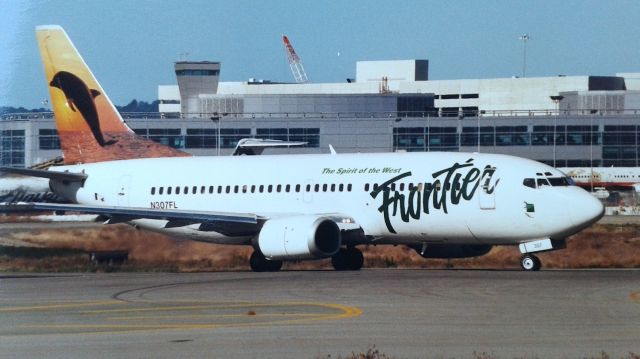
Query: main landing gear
{"points": [[349, 258], [530, 262], [259, 263]]}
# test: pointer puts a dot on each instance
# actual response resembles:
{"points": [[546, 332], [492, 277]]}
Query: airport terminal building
{"points": [[389, 106]]}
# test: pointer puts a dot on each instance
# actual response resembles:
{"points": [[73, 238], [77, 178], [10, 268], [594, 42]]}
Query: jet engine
{"points": [[299, 237], [453, 250]]}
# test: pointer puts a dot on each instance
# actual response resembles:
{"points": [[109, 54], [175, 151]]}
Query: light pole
{"points": [[591, 150], [478, 119], [524, 38], [217, 119], [556, 100]]}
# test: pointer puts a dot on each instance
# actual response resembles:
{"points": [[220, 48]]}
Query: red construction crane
{"points": [[294, 62]]}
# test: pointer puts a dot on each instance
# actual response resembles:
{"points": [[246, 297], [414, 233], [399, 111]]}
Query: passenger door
{"points": [[487, 197], [123, 190]]}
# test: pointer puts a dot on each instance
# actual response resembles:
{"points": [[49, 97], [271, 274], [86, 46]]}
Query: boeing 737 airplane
{"points": [[297, 207]]}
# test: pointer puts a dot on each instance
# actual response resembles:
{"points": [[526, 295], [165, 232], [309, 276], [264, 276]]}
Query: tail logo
{"points": [[81, 98]]}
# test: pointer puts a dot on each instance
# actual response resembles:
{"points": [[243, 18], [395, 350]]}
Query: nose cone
{"points": [[585, 210]]}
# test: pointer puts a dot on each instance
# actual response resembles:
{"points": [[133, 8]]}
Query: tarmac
{"points": [[317, 314]]}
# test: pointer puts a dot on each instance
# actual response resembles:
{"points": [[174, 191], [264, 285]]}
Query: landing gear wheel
{"points": [[259, 263], [529, 262], [348, 259]]}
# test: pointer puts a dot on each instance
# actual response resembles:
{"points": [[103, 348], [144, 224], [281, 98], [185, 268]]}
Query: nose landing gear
{"points": [[530, 262]]}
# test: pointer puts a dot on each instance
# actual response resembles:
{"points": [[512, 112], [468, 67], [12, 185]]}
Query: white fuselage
{"points": [[454, 197]]}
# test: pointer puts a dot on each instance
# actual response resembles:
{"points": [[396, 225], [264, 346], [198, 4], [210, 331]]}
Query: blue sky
{"points": [[131, 45]]}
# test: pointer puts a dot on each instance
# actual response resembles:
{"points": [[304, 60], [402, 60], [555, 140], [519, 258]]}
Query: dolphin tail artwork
{"points": [[89, 126]]}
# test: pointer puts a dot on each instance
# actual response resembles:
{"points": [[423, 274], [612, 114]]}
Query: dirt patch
{"points": [[601, 246]]}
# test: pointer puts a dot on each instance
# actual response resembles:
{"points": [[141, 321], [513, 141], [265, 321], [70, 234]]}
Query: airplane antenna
{"points": [[294, 62]]}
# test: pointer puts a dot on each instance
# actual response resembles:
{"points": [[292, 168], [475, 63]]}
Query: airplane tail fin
{"points": [[89, 126]]}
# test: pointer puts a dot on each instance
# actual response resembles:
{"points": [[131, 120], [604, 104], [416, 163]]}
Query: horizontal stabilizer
{"points": [[59, 176]]}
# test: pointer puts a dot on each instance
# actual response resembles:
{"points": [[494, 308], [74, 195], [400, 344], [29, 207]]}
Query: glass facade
{"points": [[190, 72], [620, 146], [48, 139], [166, 136], [12, 145], [201, 138], [423, 139], [309, 135], [229, 137], [579, 140]]}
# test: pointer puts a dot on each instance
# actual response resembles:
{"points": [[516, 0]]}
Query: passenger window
{"points": [[287, 188], [219, 189], [308, 188], [160, 190], [333, 187], [297, 188], [375, 187], [421, 186], [340, 187], [366, 187], [279, 188], [210, 189], [153, 190], [529, 182], [202, 189], [542, 182], [393, 187], [177, 189], [270, 188], [410, 187], [317, 187], [228, 189], [253, 188], [244, 188], [186, 189], [349, 187], [401, 187], [261, 188], [194, 189], [169, 190], [324, 187]]}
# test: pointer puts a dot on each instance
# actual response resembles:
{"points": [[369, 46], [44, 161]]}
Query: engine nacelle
{"points": [[299, 237], [453, 250]]}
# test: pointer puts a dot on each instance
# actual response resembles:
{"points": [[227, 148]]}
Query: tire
{"points": [[530, 263], [347, 259], [259, 263], [356, 259], [340, 260]]}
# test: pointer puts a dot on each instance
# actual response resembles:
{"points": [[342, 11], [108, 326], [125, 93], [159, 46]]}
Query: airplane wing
{"points": [[231, 224]]}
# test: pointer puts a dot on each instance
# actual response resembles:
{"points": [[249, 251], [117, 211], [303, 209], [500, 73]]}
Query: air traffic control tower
{"points": [[196, 78]]}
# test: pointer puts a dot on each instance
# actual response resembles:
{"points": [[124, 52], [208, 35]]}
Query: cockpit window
{"points": [[542, 182], [548, 181], [529, 182], [558, 181]]}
